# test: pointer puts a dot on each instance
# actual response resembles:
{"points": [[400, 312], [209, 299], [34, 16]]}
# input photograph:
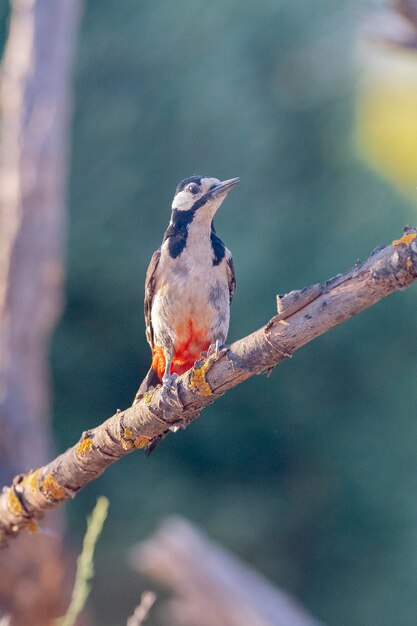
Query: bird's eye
{"points": [[193, 188]]}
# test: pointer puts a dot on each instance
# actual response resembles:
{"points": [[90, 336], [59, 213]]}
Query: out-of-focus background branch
{"points": [[387, 94], [209, 585]]}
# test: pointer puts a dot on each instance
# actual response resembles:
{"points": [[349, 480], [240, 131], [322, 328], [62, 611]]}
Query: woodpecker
{"points": [[189, 284]]}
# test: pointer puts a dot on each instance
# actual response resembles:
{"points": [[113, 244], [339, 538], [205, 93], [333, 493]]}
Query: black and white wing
{"points": [[150, 285], [231, 276]]}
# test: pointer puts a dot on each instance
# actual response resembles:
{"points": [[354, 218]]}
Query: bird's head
{"points": [[202, 195]]}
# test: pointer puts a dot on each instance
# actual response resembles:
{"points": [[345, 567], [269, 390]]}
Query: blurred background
{"points": [[310, 476]]}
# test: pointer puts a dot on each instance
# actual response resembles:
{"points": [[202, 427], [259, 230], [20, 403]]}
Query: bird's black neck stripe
{"points": [[177, 233], [218, 247]]}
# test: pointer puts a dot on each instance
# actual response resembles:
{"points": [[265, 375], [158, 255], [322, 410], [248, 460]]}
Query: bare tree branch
{"points": [[408, 8], [142, 610], [394, 24], [303, 316]]}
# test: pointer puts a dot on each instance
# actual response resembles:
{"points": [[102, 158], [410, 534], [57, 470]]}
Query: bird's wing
{"points": [[231, 276], [150, 284]]}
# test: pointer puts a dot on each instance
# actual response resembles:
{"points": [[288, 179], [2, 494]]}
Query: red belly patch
{"points": [[190, 344]]}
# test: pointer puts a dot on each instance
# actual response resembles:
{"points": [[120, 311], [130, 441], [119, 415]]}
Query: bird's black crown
{"points": [[187, 181]]}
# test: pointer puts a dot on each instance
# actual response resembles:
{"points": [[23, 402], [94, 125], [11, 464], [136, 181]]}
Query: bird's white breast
{"points": [[190, 288]]}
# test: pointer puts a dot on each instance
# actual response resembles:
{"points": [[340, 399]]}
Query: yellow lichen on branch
{"points": [[405, 239], [84, 447], [127, 439], [31, 480], [14, 504], [147, 397], [142, 441], [51, 488], [198, 381]]}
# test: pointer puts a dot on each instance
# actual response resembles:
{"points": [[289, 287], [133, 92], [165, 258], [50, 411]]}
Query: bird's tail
{"points": [[151, 380]]}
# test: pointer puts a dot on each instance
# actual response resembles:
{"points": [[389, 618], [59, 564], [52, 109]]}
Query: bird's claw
{"points": [[214, 349], [169, 393], [169, 381]]}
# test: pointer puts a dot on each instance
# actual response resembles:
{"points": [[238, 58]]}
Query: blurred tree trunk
{"points": [[34, 98], [35, 106]]}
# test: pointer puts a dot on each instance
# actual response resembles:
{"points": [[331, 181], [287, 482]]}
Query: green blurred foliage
{"points": [[309, 475]]}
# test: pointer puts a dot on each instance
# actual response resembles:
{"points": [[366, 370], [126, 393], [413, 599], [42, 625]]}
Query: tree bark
{"points": [[35, 106], [302, 316]]}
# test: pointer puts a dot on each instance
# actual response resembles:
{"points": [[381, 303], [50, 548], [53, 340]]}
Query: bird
{"points": [[189, 285]]}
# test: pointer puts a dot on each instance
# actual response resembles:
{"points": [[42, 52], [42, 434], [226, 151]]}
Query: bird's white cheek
{"points": [[182, 202]]}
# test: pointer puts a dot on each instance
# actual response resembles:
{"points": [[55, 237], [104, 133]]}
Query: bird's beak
{"points": [[224, 186]]}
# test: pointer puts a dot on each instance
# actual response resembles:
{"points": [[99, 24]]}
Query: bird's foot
{"points": [[169, 394], [214, 350]]}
